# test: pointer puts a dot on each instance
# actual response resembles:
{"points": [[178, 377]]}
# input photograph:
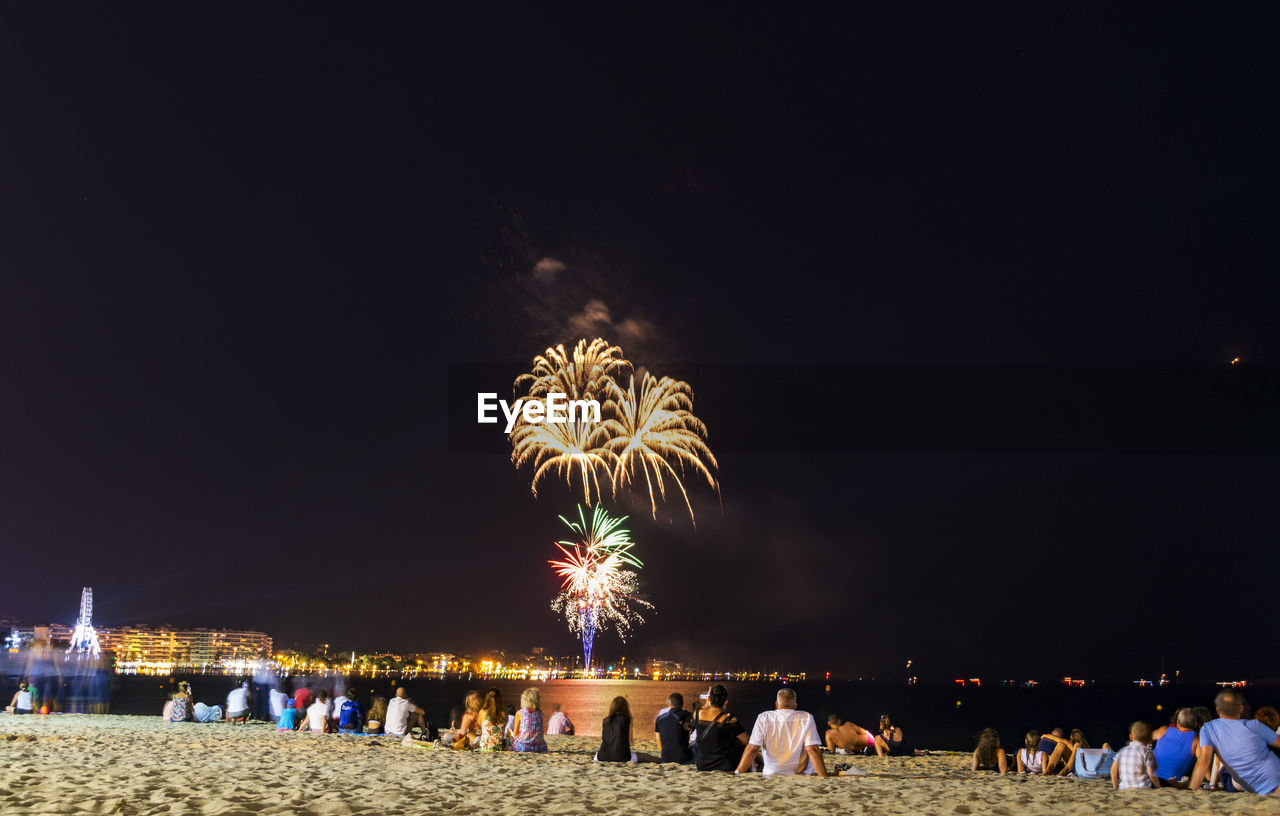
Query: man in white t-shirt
{"points": [[402, 715], [788, 738]]}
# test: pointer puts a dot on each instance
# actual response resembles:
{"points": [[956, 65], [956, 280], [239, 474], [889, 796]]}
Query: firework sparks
{"points": [[651, 433], [598, 592]]}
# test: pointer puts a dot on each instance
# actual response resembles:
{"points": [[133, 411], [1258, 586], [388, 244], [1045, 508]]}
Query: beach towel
{"points": [[1094, 763]]}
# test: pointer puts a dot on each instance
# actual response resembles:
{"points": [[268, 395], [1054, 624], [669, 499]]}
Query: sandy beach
{"points": [[69, 764]]}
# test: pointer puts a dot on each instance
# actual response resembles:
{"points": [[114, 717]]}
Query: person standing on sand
{"points": [[558, 723], [847, 738], [788, 739]]}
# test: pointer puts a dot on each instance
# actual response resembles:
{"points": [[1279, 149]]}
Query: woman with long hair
{"points": [[377, 716], [493, 723], [615, 733], [989, 756], [528, 724], [1030, 757], [721, 737]]}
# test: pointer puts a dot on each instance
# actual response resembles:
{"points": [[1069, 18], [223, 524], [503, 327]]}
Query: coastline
{"points": [[122, 764]]}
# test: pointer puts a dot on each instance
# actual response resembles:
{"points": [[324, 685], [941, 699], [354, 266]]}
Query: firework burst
{"points": [[649, 435], [598, 591]]}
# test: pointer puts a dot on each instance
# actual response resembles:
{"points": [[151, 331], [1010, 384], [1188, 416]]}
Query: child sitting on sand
{"points": [[289, 718], [1135, 765]]}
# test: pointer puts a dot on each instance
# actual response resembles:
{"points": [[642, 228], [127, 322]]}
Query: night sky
{"points": [[957, 287]]}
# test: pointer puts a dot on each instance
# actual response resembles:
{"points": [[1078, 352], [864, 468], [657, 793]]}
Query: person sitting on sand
{"points": [[302, 697], [615, 733], [787, 738], [1176, 746], [891, 741], [335, 708], [377, 716], [721, 737], [1030, 757], [462, 736], [528, 724], [350, 715], [277, 702], [672, 728], [1242, 745], [238, 709], [290, 718], [403, 715], [847, 738], [558, 723], [493, 723], [182, 708], [1135, 765], [318, 714], [989, 756], [1055, 746], [511, 721], [1268, 716], [21, 702]]}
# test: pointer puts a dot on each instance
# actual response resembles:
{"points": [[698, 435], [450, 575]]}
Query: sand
{"points": [[82, 764]]}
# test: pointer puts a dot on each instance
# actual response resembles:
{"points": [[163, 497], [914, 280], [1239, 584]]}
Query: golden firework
{"points": [[655, 433]]}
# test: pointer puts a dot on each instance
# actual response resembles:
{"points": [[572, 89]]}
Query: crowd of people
{"points": [[1238, 750]]}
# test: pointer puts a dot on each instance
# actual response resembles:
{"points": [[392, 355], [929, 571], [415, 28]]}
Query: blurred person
{"points": [[21, 702], [277, 702], [558, 723], [1242, 745], [302, 697], [615, 734], [511, 721], [462, 737], [671, 728], [787, 738], [182, 706], [528, 724], [335, 709], [238, 705], [290, 717], [318, 714], [1269, 717], [721, 737], [989, 756], [377, 716], [350, 714], [1135, 764], [403, 716]]}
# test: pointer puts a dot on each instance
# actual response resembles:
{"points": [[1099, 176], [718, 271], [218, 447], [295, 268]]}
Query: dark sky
{"points": [[911, 260]]}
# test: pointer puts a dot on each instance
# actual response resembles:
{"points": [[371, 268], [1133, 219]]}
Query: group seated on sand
{"points": [[1195, 750], [1238, 750]]}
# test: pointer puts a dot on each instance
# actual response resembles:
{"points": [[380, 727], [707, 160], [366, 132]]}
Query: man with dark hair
{"points": [[1242, 745], [847, 738], [672, 729]]}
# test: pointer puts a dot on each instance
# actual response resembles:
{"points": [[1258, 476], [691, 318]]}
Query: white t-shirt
{"points": [[397, 724], [783, 736], [278, 698], [335, 706], [237, 700], [316, 715]]}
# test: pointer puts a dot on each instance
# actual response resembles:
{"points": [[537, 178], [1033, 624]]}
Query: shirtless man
{"points": [[847, 736]]}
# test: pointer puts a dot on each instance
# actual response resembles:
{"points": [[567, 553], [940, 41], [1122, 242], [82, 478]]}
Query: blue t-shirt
{"points": [[289, 719], [1243, 747], [351, 717]]}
